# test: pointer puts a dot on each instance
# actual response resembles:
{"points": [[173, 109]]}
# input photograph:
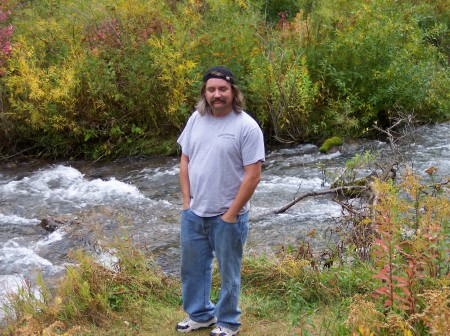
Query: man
{"points": [[222, 151]]}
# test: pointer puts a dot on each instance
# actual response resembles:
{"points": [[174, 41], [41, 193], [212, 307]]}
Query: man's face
{"points": [[219, 95]]}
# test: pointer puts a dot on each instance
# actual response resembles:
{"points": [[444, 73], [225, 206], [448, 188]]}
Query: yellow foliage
{"points": [[176, 66], [396, 322], [291, 266], [364, 317], [42, 96], [436, 314], [363, 332], [242, 3]]}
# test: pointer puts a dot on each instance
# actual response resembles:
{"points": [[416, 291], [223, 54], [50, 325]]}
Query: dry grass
{"points": [[152, 322], [134, 298]]}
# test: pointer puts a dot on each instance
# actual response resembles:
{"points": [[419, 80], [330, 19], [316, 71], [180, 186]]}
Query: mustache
{"points": [[222, 100]]}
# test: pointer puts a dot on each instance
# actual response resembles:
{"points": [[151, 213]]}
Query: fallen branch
{"points": [[317, 193], [350, 209]]}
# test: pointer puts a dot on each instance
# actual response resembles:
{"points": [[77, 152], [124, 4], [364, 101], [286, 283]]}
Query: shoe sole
{"points": [[219, 334], [189, 330]]}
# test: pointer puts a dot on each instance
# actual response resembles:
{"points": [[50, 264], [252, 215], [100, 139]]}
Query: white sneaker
{"points": [[188, 325], [223, 331]]}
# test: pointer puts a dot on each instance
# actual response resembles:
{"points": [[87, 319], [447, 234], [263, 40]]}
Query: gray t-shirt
{"points": [[218, 149]]}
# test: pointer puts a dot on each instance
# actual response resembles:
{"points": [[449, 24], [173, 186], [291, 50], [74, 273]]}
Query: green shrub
{"points": [[82, 76], [375, 63]]}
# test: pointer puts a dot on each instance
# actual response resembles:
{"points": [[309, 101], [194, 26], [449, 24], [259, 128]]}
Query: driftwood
{"points": [[318, 193], [356, 227], [349, 188]]}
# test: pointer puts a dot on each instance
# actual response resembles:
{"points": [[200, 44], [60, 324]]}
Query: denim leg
{"points": [[196, 267], [228, 240]]}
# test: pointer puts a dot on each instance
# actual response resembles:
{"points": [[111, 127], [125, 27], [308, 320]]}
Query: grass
{"points": [[133, 298], [282, 296], [137, 298]]}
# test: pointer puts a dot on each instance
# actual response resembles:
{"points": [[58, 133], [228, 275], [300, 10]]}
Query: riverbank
{"points": [[291, 293], [141, 196], [137, 298]]}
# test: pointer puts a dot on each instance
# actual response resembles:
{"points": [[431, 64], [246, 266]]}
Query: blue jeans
{"points": [[201, 239]]}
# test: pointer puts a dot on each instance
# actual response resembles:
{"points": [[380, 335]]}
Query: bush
{"points": [[410, 259], [377, 63], [112, 78]]}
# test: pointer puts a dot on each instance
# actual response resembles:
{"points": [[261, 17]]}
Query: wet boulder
{"points": [[50, 225]]}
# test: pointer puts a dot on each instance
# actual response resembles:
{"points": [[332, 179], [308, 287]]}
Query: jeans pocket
{"points": [[230, 223]]}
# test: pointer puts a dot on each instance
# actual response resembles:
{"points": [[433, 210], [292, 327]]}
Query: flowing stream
{"points": [[88, 203]]}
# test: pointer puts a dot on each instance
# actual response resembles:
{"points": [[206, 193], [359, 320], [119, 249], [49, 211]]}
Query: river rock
{"points": [[50, 225]]}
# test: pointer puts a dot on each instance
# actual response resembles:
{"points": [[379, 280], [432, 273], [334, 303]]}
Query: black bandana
{"points": [[226, 74]]}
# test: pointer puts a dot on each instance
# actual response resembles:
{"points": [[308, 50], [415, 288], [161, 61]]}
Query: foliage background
{"points": [[105, 78]]}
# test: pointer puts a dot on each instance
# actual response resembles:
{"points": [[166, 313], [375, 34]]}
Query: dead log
{"points": [[318, 193]]}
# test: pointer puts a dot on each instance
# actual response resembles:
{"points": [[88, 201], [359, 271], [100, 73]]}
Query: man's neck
{"points": [[220, 113]]}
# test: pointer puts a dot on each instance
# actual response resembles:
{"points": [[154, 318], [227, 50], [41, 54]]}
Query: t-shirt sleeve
{"points": [[183, 139], [253, 147]]}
